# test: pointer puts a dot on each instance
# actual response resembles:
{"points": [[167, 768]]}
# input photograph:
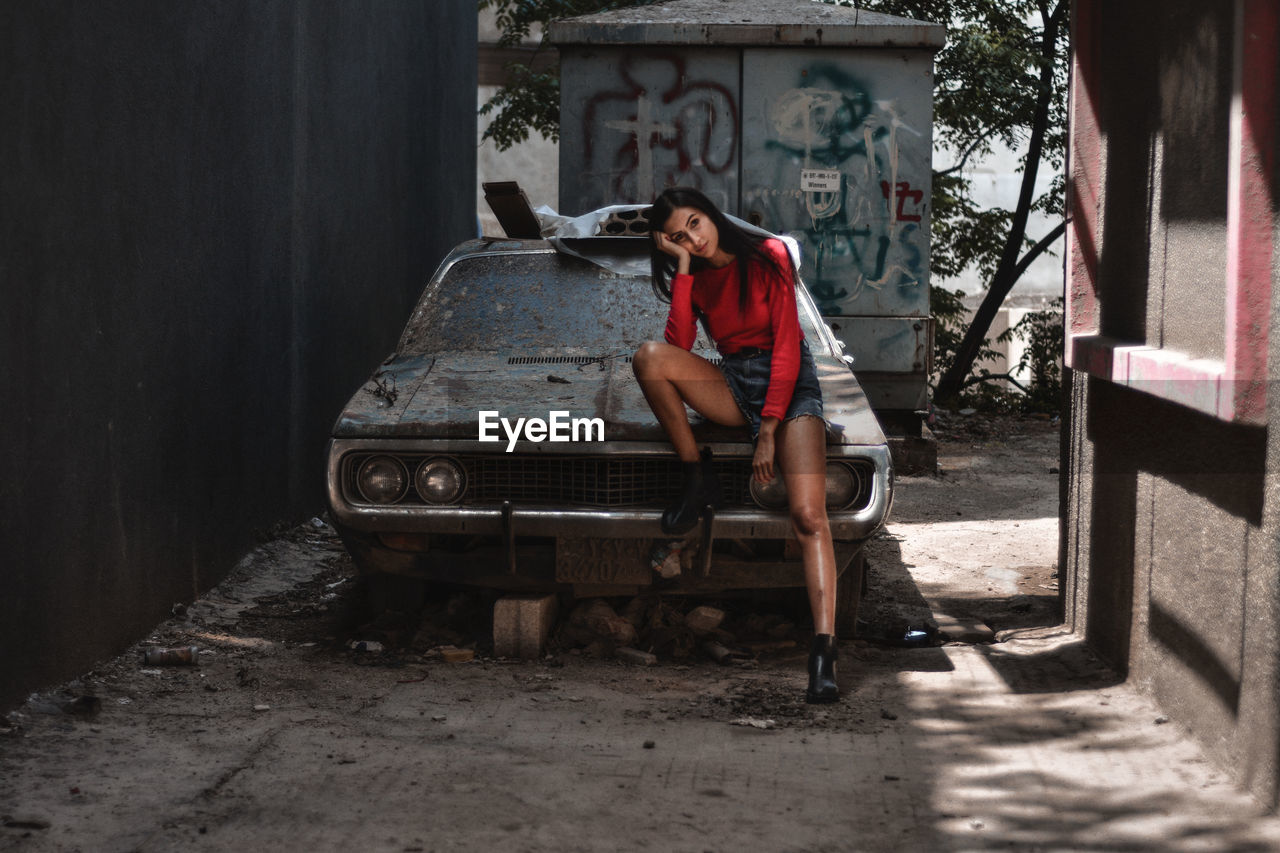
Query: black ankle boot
{"points": [[701, 487], [822, 670]]}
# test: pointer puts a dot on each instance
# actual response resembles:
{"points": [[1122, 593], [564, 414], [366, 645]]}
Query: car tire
{"points": [[850, 587]]}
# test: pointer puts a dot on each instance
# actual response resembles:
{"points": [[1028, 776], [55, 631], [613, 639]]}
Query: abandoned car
{"points": [[507, 444]]}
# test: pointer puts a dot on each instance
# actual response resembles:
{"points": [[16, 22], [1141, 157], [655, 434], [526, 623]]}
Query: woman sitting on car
{"points": [[742, 286]]}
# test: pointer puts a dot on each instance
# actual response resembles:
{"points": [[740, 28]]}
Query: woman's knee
{"points": [[809, 520], [648, 358]]}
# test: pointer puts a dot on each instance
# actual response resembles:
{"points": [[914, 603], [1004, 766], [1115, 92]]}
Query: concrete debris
{"points": [[778, 630], [652, 626], [704, 619], [754, 722], [766, 646], [602, 623], [630, 655], [637, 610], [521, 624]]}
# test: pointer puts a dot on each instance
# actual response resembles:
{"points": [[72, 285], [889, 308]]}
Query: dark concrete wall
{"points": [[1170, 517], [214, 219]]}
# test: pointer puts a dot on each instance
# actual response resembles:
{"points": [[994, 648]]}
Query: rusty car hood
{"points": [[441, 395]]}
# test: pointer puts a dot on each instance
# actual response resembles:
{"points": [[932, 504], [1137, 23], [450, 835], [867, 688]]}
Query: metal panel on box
{"points": [[836, 152], [903, 344], [635, 120]]}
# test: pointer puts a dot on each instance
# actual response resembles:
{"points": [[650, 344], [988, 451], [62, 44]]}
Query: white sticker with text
{"points": [[819, 181]]}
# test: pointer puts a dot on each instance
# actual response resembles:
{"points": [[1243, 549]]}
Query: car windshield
{"points": [[533, 301]]}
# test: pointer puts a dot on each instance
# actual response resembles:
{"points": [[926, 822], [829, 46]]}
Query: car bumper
{"points": [[510, 519]]}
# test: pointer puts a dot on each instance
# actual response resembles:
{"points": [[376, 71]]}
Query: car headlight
{"points": [[440, 480], [771, 495], [382, 479], [843, 485]]}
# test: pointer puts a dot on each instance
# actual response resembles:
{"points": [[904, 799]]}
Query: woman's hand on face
{"points": [[666, 246]]}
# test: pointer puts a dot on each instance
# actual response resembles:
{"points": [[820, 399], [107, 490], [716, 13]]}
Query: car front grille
{"points": [[582, 481], [613, 482]]}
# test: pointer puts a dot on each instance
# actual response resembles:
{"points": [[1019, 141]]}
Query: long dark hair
{"points": [[744, 245]]}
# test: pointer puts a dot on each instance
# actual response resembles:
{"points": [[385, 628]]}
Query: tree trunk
{"points": [[1009, 270]]}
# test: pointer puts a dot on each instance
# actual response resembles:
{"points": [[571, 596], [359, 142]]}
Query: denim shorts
{"points": [[748, 378]]}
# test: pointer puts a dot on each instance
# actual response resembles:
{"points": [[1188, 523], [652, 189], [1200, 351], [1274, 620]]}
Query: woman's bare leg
{"points": [[670, 377], [802, 455]]}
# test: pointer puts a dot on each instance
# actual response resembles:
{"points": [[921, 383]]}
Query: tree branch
{"points": [[968, 152], [1039, 248], [975, 380]]}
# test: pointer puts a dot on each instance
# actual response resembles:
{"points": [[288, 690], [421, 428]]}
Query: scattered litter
{"points": [[84, 706], [665, 558], [151, 671], [454, 655], [438, 718], [365, 646], [124, 700], [754, 722], [422, 678], [976, 824], [262, 707], [557, 379], [175, 656], [1161, 720], [722, 654]]}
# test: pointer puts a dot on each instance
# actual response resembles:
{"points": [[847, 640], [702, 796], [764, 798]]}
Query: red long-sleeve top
{"points": [[771, 321]]}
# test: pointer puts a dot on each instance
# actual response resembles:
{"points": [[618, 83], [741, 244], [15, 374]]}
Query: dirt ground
{"points": [[285, 736]]}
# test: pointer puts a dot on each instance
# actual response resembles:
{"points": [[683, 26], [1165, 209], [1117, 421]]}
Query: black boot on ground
{"points": [[822, 670], [701, 487]]}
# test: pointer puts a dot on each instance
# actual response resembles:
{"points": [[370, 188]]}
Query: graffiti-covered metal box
{"points": [[806, 118]]}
